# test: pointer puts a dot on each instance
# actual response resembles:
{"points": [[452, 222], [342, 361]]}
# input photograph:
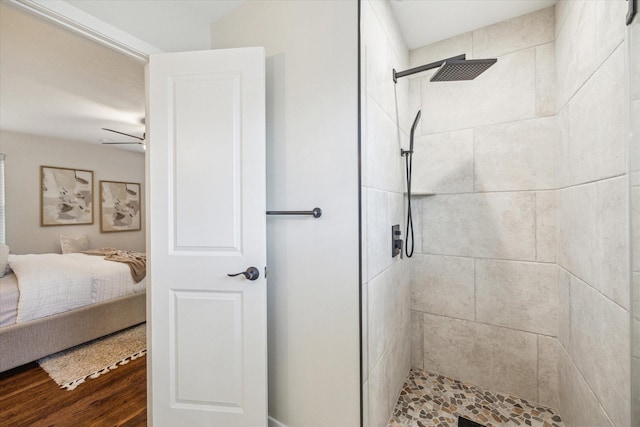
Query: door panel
{"points": [[206, 154], [209, 103]]}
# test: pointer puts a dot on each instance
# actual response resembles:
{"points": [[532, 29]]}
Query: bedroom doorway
{"points": [[58, 91]]}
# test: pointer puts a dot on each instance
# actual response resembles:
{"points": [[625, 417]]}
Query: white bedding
{"points": [[54, 283]]}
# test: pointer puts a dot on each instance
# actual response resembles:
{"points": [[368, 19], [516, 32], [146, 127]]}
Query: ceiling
{"points": [[58, 84], [423, 22]]}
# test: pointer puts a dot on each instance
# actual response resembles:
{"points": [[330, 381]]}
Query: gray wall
{"points": [[312, 160], [24, 156], [483, 293], [385, 288], [592, 212]]}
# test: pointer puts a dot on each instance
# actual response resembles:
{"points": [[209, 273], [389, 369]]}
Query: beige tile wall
{"points": [[592, 214], [519, 280], [386, 313], [484, 288]]}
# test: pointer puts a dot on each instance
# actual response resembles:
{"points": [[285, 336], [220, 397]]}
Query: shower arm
{"points": [[431, 66]]}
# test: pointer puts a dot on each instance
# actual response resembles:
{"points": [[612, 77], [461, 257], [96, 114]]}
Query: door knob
{"points": [[251, 273]]}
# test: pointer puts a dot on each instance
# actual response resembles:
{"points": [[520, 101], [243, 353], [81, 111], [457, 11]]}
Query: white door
{"points": [[206, 186]]}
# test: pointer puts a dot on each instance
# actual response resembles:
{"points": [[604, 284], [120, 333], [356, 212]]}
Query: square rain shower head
{"points": [[465, 69]]}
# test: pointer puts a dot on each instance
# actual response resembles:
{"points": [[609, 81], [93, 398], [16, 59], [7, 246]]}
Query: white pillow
{"points": [[70, 245], [4, 259]]}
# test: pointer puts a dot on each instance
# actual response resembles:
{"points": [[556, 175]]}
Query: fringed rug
{"points": [[72, 367]]}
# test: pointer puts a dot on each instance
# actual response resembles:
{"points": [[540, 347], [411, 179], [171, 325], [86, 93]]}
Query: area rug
{"points": [[72, 367]]}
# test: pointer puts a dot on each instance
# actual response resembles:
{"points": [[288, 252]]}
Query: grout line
{"points": [[586, 383], [589, 77], [488, 324], [594, 181], [592, 288], [490, 258]]}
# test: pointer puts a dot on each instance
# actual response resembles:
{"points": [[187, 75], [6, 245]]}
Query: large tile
{"points": [[600, 348], [548, 353], [399, 362], [517, 295], [443, 163], [592, 236], [383, 166], [575, 49], [416, 214], [384, 209], [377, 325], [443, 285], [577, 220], [417, 340], [514, 34], [598, 125], [497, 358], [546, 226], [504, 93], [578, 405], [564, 307], [364, 242], [387, 309], [380, 59], [610, 26], [563, 173], [516, 156], [635, 369], [546, 79], [365, 332], [384, 14], [489, 225], [378, 398], [634, 63], [612, 236], [453, 46], [563, 8]]}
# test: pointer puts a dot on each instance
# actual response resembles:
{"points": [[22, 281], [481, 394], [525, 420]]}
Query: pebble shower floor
{"points": [[430, 400]]}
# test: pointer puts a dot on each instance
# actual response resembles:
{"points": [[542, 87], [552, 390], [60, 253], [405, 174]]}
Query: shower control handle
{"points": [[251, 273]]}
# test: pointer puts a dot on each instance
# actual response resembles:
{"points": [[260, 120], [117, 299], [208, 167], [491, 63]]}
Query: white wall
{"points": [[485, 273], [24, 156], [385, 120], [312, 160], [592, 213]]}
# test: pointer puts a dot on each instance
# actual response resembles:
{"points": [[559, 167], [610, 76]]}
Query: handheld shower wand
{"points": [[408, 160]]}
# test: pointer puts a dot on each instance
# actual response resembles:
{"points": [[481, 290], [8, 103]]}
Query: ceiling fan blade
{"points": [[120, 143], [125, 134]]}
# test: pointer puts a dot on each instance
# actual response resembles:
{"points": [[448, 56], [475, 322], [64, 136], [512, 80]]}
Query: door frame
{"points": [[88, 26]]}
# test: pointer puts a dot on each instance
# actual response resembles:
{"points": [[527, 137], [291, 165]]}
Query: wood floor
{"points": [[29, 397]]}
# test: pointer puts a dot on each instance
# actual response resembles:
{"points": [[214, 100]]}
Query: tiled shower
{"points": [[520, 280]]}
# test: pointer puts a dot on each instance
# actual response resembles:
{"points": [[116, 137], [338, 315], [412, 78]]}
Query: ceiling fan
{"points": [[141, 140]]}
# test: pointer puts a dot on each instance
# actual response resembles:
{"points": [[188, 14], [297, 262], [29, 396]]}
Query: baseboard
{"points": [[275, 423]]}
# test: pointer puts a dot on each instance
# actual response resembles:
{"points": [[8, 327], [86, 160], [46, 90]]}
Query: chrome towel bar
{"points": [[316, 212]]}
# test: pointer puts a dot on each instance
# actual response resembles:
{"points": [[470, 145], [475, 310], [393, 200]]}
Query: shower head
{"points": [[413, 130], [461, 69], [450, 69]]}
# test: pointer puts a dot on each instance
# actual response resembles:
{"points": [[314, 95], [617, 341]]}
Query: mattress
{"points": [[47, 284], [9, 295]]}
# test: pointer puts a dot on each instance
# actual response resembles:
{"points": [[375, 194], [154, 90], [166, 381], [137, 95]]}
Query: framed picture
{"points": [[66, 196], [119, 206]]}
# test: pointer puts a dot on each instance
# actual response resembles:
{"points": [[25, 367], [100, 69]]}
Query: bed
{"points": [[51, 302]]}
